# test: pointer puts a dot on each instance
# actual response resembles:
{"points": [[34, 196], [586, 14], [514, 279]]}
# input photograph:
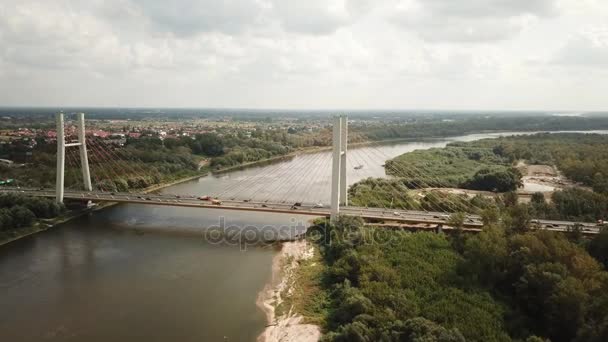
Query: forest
{"points": [[488, 165], [19, 212], [507, 283], [454, 125]]}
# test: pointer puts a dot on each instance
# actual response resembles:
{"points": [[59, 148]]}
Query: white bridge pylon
{"points": [[339, 184], [61, 146], [339, 194]]}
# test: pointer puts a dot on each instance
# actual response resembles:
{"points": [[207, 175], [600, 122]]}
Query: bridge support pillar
{"points": [[61, 146], [60, 158], [343, 144], [84, 160], [338, 175]]}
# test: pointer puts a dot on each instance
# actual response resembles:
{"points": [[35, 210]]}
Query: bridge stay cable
{"points": [[73, 165], [416, 172], [354, 154], [100, 169], [295, 182], [461, 204], [367, 155], [245, 181], [107, 160], [118, 162], [420, 184], [133, 161], [284, 187], [453, 206], [289, 179], [319, 176]]}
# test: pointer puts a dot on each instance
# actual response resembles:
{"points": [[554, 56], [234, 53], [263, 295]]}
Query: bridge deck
{"points": [[377, 214]]}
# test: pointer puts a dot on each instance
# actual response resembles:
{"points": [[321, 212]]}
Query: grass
{"points": [[305, 294], [451, 166]]}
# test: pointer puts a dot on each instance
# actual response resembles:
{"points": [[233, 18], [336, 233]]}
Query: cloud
{"points": [[319, 17], [490, 8], [311, 16], [296, 53], [587, 49], [469, 20], [187, 18], [190, 17]]}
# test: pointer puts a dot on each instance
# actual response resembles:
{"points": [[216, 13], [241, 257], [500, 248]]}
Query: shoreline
{"points": [[316, 149], [39, 227], [289, 326]]}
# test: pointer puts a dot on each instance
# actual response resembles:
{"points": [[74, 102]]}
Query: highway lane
{"points": [[379, 214]]}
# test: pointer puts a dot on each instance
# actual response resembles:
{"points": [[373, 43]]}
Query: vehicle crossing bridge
{"points": [[254, 192]]}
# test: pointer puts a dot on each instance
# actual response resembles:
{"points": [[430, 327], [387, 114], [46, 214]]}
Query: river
{"points": [[145, 273]]}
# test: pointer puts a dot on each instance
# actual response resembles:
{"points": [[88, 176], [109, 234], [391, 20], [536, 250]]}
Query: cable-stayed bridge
{"points": [[312, 184]]}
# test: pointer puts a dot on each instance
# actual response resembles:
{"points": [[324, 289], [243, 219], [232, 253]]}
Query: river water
{"points": [[145, 273]]}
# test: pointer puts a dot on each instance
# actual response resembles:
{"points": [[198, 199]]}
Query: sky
{"points": [[306, 54]]}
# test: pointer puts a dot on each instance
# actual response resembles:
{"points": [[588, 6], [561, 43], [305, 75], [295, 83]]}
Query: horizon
{"points": [[271, 110]]}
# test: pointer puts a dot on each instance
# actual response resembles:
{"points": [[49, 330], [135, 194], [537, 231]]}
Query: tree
{"points": [[493, 179], [566, 309], [490, 216], [456, 220], [510, 199], [598, 247], [538, 198], [22, 216], [422, 330], [486, 256], [519, 218]]}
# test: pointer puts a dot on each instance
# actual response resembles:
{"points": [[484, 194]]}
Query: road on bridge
{"points": [[376, 214]]}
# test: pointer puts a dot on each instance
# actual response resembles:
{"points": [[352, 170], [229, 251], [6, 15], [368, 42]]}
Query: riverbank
{"points": [[285, 324], [42, 225], [45, 224], [307, 150]]}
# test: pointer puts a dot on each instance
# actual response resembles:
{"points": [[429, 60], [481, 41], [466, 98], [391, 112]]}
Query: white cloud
{"points": [[588, 48], [469, 21], [315, 53]]}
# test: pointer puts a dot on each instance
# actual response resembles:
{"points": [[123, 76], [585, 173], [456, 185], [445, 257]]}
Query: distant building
{"points": [[99, 133]]}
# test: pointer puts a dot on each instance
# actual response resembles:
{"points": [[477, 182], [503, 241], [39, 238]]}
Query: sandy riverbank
{"points": [[287, 327]]}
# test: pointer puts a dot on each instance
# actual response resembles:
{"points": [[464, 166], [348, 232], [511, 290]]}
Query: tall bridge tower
{"points": [[339, 194], [61, 146]]}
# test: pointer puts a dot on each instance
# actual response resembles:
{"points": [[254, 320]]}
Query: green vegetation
{"points": [[581, 157], [452, 125], [394, 193], [507, 283], [487, 165], [504, 284], [141, 165], [305, 294], [456, 166], [20, 212]]}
